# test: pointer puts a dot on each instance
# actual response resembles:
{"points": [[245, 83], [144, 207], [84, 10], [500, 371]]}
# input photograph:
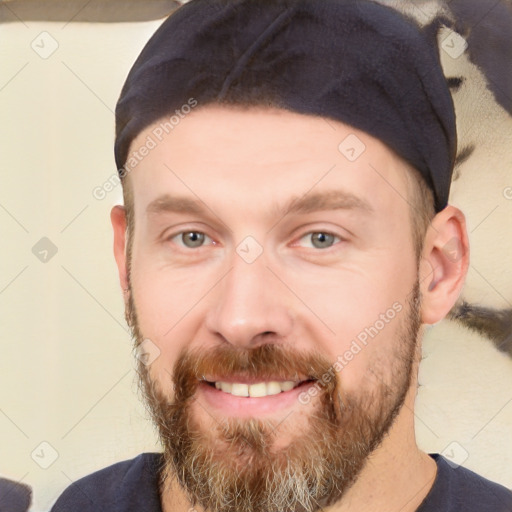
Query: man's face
{"points": [[272, 255]]}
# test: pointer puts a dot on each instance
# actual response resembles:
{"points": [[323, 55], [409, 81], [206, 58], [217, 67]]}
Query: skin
{"points": [[243, 166]]}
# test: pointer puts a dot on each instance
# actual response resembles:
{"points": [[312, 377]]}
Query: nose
{"points": [[250, 306]]}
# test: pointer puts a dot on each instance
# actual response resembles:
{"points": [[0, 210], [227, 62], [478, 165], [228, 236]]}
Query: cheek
{"points": [[164, 294], [368, 358], [363, 313], [167, 306]]}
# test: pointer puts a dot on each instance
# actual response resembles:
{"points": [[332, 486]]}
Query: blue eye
{"points": [[190, 239], [320, 239]]}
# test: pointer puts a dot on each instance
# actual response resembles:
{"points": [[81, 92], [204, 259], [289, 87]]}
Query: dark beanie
{"points": [[354, 61]]}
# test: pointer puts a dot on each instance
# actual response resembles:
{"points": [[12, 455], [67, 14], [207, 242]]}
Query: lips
{"points": [[254, 387], [241, 396]]}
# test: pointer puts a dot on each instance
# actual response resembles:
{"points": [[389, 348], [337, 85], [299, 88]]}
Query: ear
{"points": [[444, 264], [118, 219]]}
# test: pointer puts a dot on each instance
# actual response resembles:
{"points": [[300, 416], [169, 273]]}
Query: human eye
{"points": [[190, 239], [318, 240]]}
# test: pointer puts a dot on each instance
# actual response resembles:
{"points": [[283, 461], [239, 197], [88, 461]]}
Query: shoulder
{"points": [[458, 489], [14, 495], [117, 488]]}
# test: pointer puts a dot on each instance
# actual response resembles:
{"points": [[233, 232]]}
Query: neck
{"points": [[397, 475]]}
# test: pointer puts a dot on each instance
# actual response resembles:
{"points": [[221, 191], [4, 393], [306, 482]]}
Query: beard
{"points": [[234, 464]]}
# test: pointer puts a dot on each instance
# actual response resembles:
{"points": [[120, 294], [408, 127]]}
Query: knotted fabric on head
{"points": [[355, 61]]}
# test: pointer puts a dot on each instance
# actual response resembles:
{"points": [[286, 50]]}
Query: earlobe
{"points": [[444, 265], [118, 219]]}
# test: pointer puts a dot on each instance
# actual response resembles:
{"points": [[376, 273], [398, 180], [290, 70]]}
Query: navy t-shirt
{"points": [[132, 486]]}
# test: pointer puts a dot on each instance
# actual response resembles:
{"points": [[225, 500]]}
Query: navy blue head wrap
{"points": [[355, 61]]}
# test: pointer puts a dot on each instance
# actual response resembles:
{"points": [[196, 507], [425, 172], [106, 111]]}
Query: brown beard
{"points": [[234, 466]]}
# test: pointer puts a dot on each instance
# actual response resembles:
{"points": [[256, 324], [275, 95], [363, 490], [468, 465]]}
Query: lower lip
{"points": [[242, 406]]}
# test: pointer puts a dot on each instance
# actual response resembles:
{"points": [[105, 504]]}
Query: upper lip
{"points": [[243, 379]]}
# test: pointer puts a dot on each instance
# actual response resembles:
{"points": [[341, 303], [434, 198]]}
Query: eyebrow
{"points": [[307, 203], [175, 204], [329, 200]]}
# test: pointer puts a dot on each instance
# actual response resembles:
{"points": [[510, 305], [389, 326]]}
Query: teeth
{"points": [[240, 389], [286, 386], [257, 390], [226, 387], [273, 388]]}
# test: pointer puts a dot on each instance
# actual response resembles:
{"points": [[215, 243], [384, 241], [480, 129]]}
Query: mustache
{"points": [[263, 363]]}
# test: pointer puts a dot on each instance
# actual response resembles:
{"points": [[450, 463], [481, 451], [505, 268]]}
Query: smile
{"points": [[243, 396]]}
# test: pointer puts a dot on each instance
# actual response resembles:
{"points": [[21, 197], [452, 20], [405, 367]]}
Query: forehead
{"points": [[260, 156]]}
